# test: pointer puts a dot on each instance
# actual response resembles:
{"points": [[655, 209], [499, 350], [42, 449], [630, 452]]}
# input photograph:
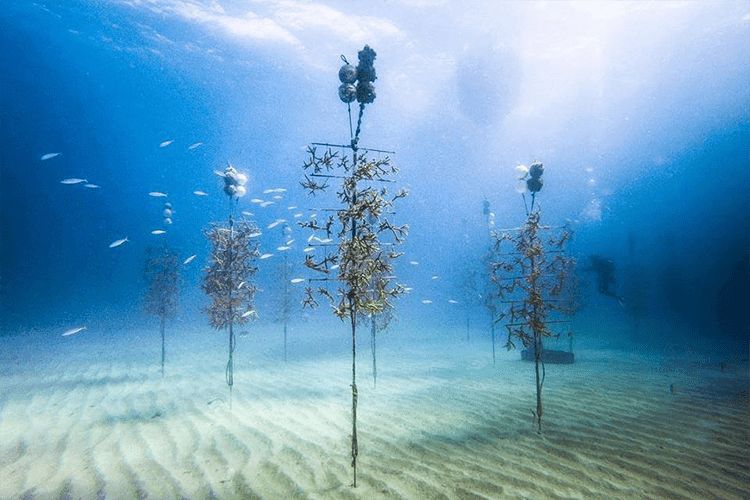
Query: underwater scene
{"points": [[416, 249]]}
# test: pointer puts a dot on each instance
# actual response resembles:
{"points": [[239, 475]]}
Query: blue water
{"points": [[653, 101]]}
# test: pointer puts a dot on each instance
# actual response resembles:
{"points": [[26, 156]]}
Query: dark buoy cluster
{"points": [[534, 183], [357, 83]]}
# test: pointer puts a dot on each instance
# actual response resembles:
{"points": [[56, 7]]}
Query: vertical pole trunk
{"points": [[355, 447], [161, 329], [492, 330], [284, 341], [230, 363], [373, 330], [537, 361]]}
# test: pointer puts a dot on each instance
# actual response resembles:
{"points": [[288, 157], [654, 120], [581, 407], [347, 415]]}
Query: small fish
{"points": [[298, 215], [166, 143], [289, 242], [451, 301], [200, 193], [426, 301], [273, 224], [310, 238], [157, 194], [408, 289], [309, 249], [297, 280], [247, 214], [254, 235], [189, 260], [256, 200], [117, 243], [73, 331], [241, 285], [413, 262], [435, 277], [274, 190], [195, 145], [324, 240], [291, 207], [158, 231], [91, 186], [278, 197], [334, 267], [251, 312], [265, 256], [49, 156], [73, 180], [266, 203], [283, 248]]}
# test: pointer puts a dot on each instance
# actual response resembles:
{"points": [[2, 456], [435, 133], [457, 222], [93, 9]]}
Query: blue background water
{"points": [[653, 99]]}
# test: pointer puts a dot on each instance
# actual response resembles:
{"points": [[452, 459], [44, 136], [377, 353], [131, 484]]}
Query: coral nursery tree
{"points": [[161, 295], [532, 278], [162, 276], [356, 273], [231, 268], [490, 297], [287, 294]]}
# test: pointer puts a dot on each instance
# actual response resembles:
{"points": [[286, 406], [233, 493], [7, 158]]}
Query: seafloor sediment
{"points": [[91, 416]]}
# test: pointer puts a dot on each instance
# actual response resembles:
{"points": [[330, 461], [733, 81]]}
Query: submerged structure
{"points": [[356, 273], [228, 277], [533, 282], [286, 297], [162, 275]]}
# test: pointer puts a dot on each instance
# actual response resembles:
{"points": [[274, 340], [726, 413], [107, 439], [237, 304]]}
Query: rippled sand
{"points": [[90, 416]]}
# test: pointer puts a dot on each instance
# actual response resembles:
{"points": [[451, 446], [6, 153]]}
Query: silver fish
{"points": [[200, 193], [283, 249], [73, 331], [297, 280], [166, 143], [49, 156], [266, 203], [195, 145], [265, 256], [73, 180], [92, 186], [157, 194], [158, 231], [117, 243], [189, 260], [426, 301]]}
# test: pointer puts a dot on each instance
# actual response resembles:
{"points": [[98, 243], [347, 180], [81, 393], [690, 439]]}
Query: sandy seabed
{"points": [[90, 416]]}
